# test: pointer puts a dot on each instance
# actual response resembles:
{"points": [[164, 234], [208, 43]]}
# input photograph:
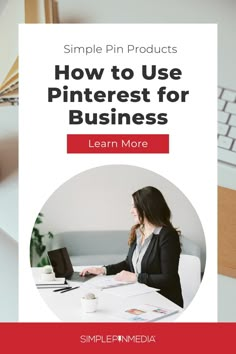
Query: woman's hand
{"points": [[126, 276], [92, 270]]}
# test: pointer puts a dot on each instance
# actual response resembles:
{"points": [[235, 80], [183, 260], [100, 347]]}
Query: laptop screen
{"points": [[61, 262]]}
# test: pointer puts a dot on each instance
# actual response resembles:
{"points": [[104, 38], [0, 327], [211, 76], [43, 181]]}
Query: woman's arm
{"points": [[108, 270], [93, 270], [169, 252], [118, 267]]}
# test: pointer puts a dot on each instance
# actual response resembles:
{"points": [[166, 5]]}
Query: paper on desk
{"points": [[145, 313], [104, 282], [130, 290]]}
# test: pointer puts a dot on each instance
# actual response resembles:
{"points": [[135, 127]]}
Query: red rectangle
{"points": [[117, 144], [139, 338]]}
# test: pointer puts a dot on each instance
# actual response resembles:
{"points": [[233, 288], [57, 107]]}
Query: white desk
{"points": [[68, 308]]}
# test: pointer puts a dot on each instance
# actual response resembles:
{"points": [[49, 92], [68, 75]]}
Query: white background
{"points": [[191, 164]]}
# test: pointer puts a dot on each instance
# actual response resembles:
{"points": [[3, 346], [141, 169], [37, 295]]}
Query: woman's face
{"points": [[134, 212]]}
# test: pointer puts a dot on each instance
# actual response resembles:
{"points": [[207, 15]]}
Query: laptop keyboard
{"points": [[227, 126]]}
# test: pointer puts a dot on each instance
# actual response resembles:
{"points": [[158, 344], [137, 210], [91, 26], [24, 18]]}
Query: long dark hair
{"points": [[150, 204]]}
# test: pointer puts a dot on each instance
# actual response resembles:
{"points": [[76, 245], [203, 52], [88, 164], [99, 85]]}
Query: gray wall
{"points": [[100, 199]]}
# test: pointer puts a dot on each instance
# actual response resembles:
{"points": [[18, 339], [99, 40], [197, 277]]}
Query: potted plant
{"points": [[37, 246], [89, 302], [47, 273]]}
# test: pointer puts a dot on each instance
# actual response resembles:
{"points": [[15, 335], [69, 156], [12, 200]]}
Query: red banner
{"points": [[117, 144], [121, 338]]}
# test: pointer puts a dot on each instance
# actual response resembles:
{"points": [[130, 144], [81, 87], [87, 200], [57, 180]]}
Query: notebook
{"points": [[62, 266]]}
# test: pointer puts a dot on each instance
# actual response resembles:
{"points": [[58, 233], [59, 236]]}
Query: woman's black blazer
{"points": [[159, 266]]}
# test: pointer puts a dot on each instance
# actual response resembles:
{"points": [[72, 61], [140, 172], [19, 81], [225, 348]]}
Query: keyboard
{"points": [[227, 126]]}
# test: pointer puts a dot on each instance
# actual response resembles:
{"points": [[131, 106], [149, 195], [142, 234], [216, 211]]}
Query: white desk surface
{"points": [[68, 308]]}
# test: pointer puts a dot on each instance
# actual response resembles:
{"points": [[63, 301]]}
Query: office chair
{"points": [[190, 276]]}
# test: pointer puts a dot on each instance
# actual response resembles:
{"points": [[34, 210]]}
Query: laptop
{"points": [[62, 266]]}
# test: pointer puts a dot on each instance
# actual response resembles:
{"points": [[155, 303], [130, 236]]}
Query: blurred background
{"points": [[13, 12]]}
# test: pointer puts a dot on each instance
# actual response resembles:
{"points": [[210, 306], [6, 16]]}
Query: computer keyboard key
{"points": [[227, 156], [229, 95], [232, 120], [223, 117], [223, 129], [234, 146], [231, 108], [232, 132], [221, 104], [224, 142], [227, 126]]}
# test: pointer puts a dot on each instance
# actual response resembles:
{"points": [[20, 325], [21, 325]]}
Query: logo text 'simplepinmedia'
{"points": [[108, 339]]}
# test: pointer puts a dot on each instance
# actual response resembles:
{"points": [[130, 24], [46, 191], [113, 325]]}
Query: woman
{"points": [[154, 252]]}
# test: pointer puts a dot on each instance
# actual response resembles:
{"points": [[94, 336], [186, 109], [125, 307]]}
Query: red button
{"points": [[117, 144]]}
